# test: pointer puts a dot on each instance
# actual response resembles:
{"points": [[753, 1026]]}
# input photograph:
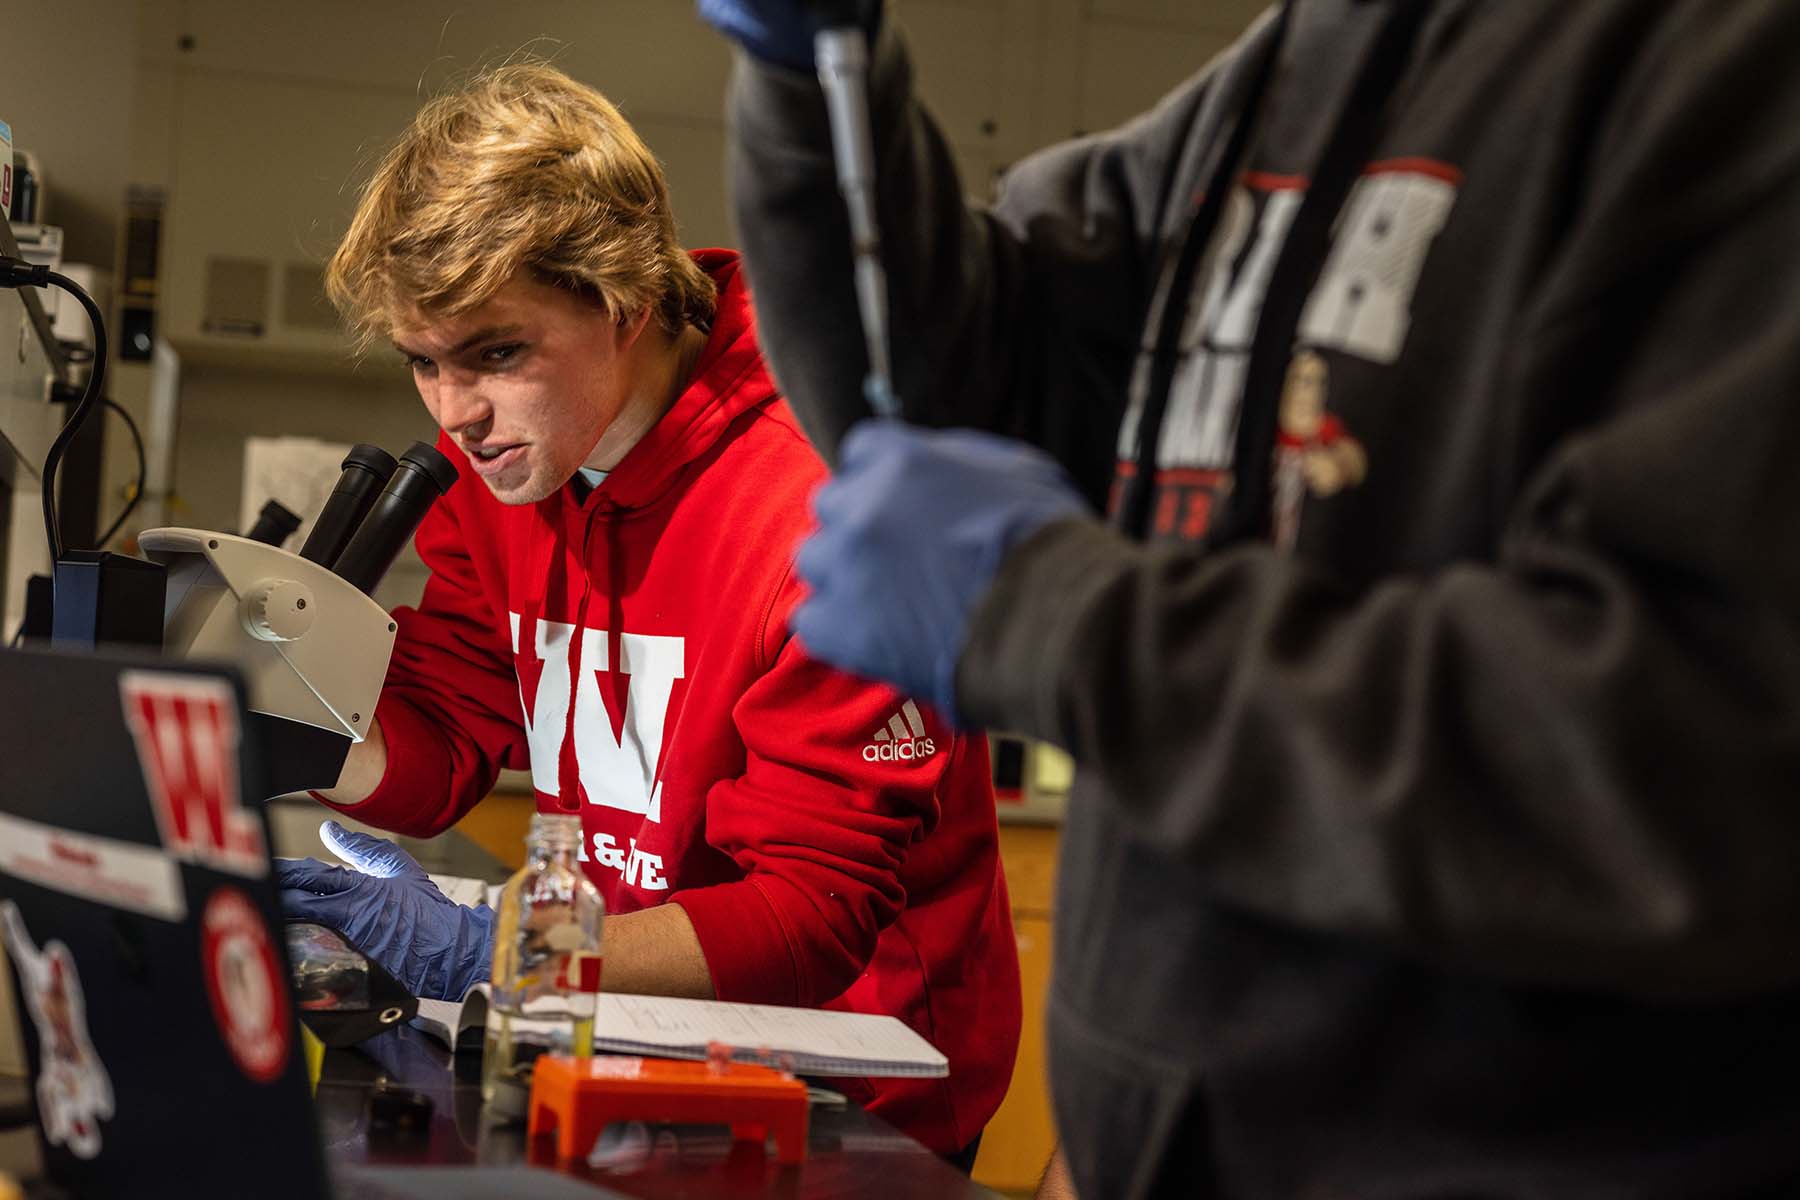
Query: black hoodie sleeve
{"points": [[1022, 318], [1579, 762]]}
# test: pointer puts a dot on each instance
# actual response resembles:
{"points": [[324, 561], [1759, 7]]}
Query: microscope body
{"points": [[312, 645]]}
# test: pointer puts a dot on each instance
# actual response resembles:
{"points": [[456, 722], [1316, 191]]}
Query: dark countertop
{"points": [[849, 1152]]}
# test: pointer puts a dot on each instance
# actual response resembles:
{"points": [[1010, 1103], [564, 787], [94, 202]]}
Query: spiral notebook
{"points": [[808, 1041]]}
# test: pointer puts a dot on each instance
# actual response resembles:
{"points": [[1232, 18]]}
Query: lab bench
{"points": [[1020, 1136], [849, 1151], [489, 843]]}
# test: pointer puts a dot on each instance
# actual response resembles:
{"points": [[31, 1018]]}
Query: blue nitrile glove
{"points": [[912, 530], [781, 31], [390, 910]]}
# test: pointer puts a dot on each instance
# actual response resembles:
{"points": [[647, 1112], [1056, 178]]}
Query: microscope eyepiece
{"points": [[365, 469], [274, 524], [426, 457], [421, 476]]}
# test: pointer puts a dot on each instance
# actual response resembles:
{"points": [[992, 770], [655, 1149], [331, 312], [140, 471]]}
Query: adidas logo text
{"points": [[903, 740], [909, 749]]}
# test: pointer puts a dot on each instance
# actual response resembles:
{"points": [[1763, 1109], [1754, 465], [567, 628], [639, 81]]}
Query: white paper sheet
{"points": [[819, 1042]]}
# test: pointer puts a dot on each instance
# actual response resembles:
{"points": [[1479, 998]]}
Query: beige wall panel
{"points": [[264, 169], [152, 123], [693, 157], [160, 24], [956, 50], [67, 94], [1127, 68], [653, 54]]}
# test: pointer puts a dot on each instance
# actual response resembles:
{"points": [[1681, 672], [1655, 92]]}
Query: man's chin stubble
{"points": [[529, 493]]}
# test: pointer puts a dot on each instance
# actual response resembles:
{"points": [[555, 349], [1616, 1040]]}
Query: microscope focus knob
{"points": [[278, 610]]}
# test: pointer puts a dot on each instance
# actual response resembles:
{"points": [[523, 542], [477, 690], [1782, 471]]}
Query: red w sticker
{"points": [[186, 730]]}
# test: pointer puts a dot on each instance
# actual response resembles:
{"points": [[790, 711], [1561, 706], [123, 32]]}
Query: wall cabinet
{"points": [[1021, 1135]]}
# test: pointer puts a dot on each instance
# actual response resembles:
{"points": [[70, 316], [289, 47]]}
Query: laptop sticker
{"points": [[74, 1092], [245, 983], [186, 732], [122, 874]]}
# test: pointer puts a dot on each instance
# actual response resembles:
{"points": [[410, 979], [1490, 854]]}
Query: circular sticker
{"points": [[244, 982]]}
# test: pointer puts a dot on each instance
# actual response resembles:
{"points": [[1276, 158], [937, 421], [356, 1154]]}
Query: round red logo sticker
{"points": [[243, 981]]}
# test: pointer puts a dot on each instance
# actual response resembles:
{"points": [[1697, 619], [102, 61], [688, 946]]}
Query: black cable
{"points": [[96, 380], [136, 494], [18, 273], [137, 490]]}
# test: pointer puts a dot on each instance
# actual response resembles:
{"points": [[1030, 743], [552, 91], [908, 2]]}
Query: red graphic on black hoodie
{"points": [[1314, 453]]}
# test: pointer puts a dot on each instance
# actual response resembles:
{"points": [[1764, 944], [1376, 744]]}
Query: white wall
{"points": [[66, 81]]}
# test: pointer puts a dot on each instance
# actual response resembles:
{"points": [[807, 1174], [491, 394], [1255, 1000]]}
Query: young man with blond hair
{"points": [[608, 606]]}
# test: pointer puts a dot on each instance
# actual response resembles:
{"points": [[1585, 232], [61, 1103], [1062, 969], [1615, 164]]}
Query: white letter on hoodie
{"points": [[620, 772], [1362, 303], [547, 713]]}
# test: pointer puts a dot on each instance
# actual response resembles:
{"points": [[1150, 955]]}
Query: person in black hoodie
{"points": [[1434, 676]]}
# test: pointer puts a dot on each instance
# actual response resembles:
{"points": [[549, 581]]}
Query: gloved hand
{"points": [[912, 531], [781, 31], [390, 910]]}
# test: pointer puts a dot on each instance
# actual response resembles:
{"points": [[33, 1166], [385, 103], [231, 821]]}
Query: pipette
{"points": [[841, 53]]}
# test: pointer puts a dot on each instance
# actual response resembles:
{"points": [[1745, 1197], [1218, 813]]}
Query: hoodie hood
{"points": [[729, 379]]}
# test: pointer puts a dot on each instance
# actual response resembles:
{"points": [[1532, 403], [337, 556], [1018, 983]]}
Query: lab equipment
{"points": [[274, 524], [546, 970], [418, 479], [329, 974], [840, 30], [841, 52], [313, 645], [344, 996], [364, 472], [576, 1098]]}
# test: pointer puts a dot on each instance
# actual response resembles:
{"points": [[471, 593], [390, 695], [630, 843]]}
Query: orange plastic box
{"points": [[576, 1098]]}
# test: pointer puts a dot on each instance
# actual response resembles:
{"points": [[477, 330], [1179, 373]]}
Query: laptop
{"points": [[141, 923]]}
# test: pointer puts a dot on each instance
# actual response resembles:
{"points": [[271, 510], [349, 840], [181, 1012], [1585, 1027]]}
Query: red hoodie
{"points": [[832, 842]]}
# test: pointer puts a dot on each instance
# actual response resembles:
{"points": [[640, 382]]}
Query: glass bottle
{"points": [[546, 972]]}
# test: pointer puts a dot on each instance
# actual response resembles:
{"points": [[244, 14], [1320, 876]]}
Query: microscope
{"points": [[312, 644]]}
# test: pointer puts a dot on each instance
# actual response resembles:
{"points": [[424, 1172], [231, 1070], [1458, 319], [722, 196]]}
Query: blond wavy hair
{"points": [[519, 167]]}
